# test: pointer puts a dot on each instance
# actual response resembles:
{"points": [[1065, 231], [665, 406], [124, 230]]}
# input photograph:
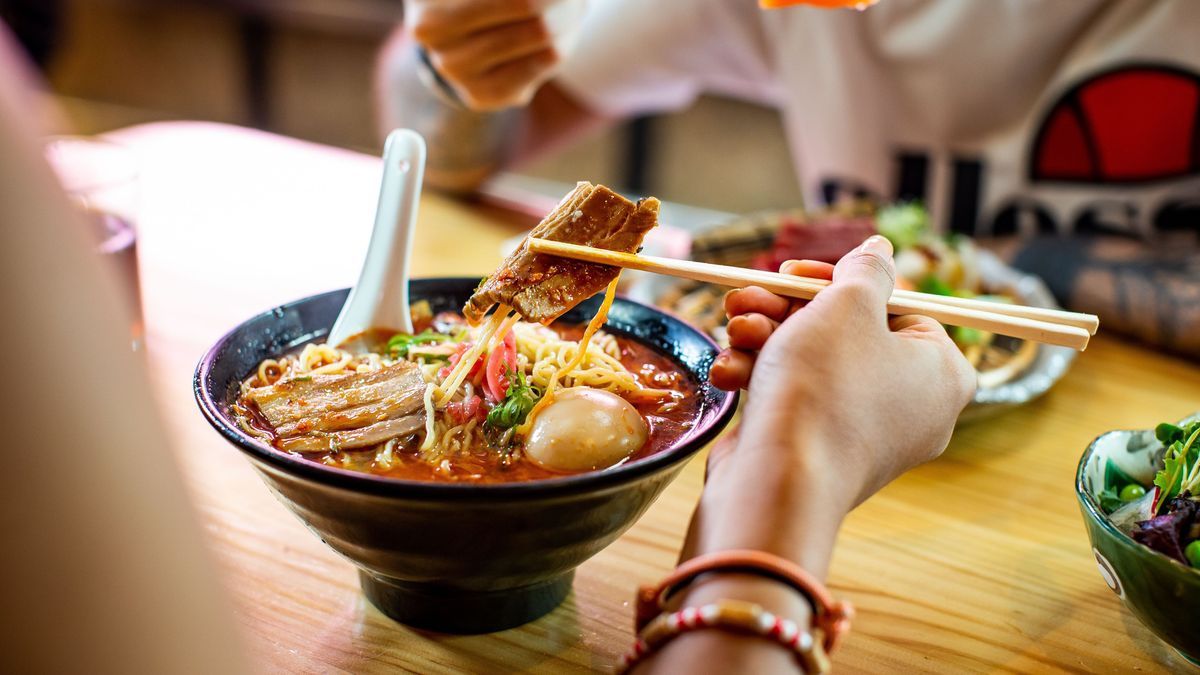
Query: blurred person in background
{"points": [[1068, 133], [36, 25], [104, 568]]}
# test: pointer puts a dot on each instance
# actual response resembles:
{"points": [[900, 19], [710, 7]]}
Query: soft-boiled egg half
{"points": [[585, 429]]}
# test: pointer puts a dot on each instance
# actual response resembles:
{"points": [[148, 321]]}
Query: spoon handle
{"points": [[380, 298]]}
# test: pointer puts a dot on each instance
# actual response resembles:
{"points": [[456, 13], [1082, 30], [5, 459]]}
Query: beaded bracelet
{"points": [[735, 616], [831, 617]]}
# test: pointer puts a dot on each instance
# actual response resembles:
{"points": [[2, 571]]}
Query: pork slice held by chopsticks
{"points": [[543, 287]]}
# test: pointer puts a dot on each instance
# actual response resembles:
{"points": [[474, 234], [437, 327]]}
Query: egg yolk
{"points": [[585, 429]]}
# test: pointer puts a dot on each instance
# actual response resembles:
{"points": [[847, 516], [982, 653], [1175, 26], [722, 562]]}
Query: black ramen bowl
{"points": [[456, 557]]}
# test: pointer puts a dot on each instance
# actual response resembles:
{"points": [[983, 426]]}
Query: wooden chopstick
{"points": [[1055, 327], [1088, 322]]}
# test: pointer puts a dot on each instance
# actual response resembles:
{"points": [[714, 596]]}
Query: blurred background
{"points": [[304, 68]]}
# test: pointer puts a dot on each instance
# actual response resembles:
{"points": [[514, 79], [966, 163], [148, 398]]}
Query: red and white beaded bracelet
{"points": [[831, 618], [736, 616]]}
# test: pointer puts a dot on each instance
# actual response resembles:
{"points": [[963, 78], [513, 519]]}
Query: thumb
{"points": [[868, 270]]}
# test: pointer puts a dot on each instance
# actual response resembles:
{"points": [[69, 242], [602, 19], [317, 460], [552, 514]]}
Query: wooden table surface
{"points": [[976, 562]]}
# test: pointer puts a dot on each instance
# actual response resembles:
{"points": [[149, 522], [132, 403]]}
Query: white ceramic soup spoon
{"points": [[380, 298]]}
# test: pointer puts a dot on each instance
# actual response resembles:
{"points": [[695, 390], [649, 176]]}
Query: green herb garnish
{"points": [[430, 357], [399, 344], [518, 401]]}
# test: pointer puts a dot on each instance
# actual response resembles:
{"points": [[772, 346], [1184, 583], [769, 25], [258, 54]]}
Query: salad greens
{"points": [[1168, 519], [903, 224], [1193, 553], [1181, 471], [936, 286], [1170, 532], [967, 336], [960, 334], [1116, 481], [1131, 492], [518, 401]]}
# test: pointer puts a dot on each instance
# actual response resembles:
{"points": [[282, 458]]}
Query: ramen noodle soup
{"points": [[389, 410], [498, 393]]}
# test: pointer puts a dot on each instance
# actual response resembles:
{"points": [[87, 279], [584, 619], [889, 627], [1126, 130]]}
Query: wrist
{"points": [[806, 442], [434, 82], [466, 147], [780, 499], [721, 651], [798, 467]]}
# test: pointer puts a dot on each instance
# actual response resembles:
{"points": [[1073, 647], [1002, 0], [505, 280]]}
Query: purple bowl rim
{"points": [[581, 483]]}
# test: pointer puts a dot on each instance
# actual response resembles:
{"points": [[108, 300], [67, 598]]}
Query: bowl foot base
{"points": [[450, 610]]}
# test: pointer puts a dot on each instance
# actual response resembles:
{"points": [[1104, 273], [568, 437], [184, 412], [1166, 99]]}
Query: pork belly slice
{"points": [[290, 400], [343, 411], [320, 441], [543, 287]]}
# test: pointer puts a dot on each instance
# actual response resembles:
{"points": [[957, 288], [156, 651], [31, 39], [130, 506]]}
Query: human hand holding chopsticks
{"points": [[881, 394], [841, 401]]}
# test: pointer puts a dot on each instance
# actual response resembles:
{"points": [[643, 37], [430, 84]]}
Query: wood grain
{"points": [[975, 562]]}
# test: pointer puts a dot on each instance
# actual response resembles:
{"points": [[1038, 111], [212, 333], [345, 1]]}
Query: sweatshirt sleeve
{"points": [[634, 57]]}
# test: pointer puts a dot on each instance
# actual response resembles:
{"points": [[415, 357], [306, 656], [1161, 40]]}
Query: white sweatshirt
{"points": [[1000, 115]]}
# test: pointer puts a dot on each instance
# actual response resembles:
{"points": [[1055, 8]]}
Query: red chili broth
{"points": [[486, 465]]}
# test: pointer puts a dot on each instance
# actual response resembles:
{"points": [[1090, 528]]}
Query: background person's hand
{"points": [[494, 53]]}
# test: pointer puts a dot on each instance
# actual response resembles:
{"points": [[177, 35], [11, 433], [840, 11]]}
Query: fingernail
{"points": [[877, 244]]}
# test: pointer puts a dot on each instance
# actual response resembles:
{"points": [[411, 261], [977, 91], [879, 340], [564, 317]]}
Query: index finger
{"points": [[807, 268], [755, 300]]}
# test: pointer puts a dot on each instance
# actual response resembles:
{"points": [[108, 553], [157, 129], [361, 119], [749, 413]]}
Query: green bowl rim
{"points": [[1096, 513]]}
